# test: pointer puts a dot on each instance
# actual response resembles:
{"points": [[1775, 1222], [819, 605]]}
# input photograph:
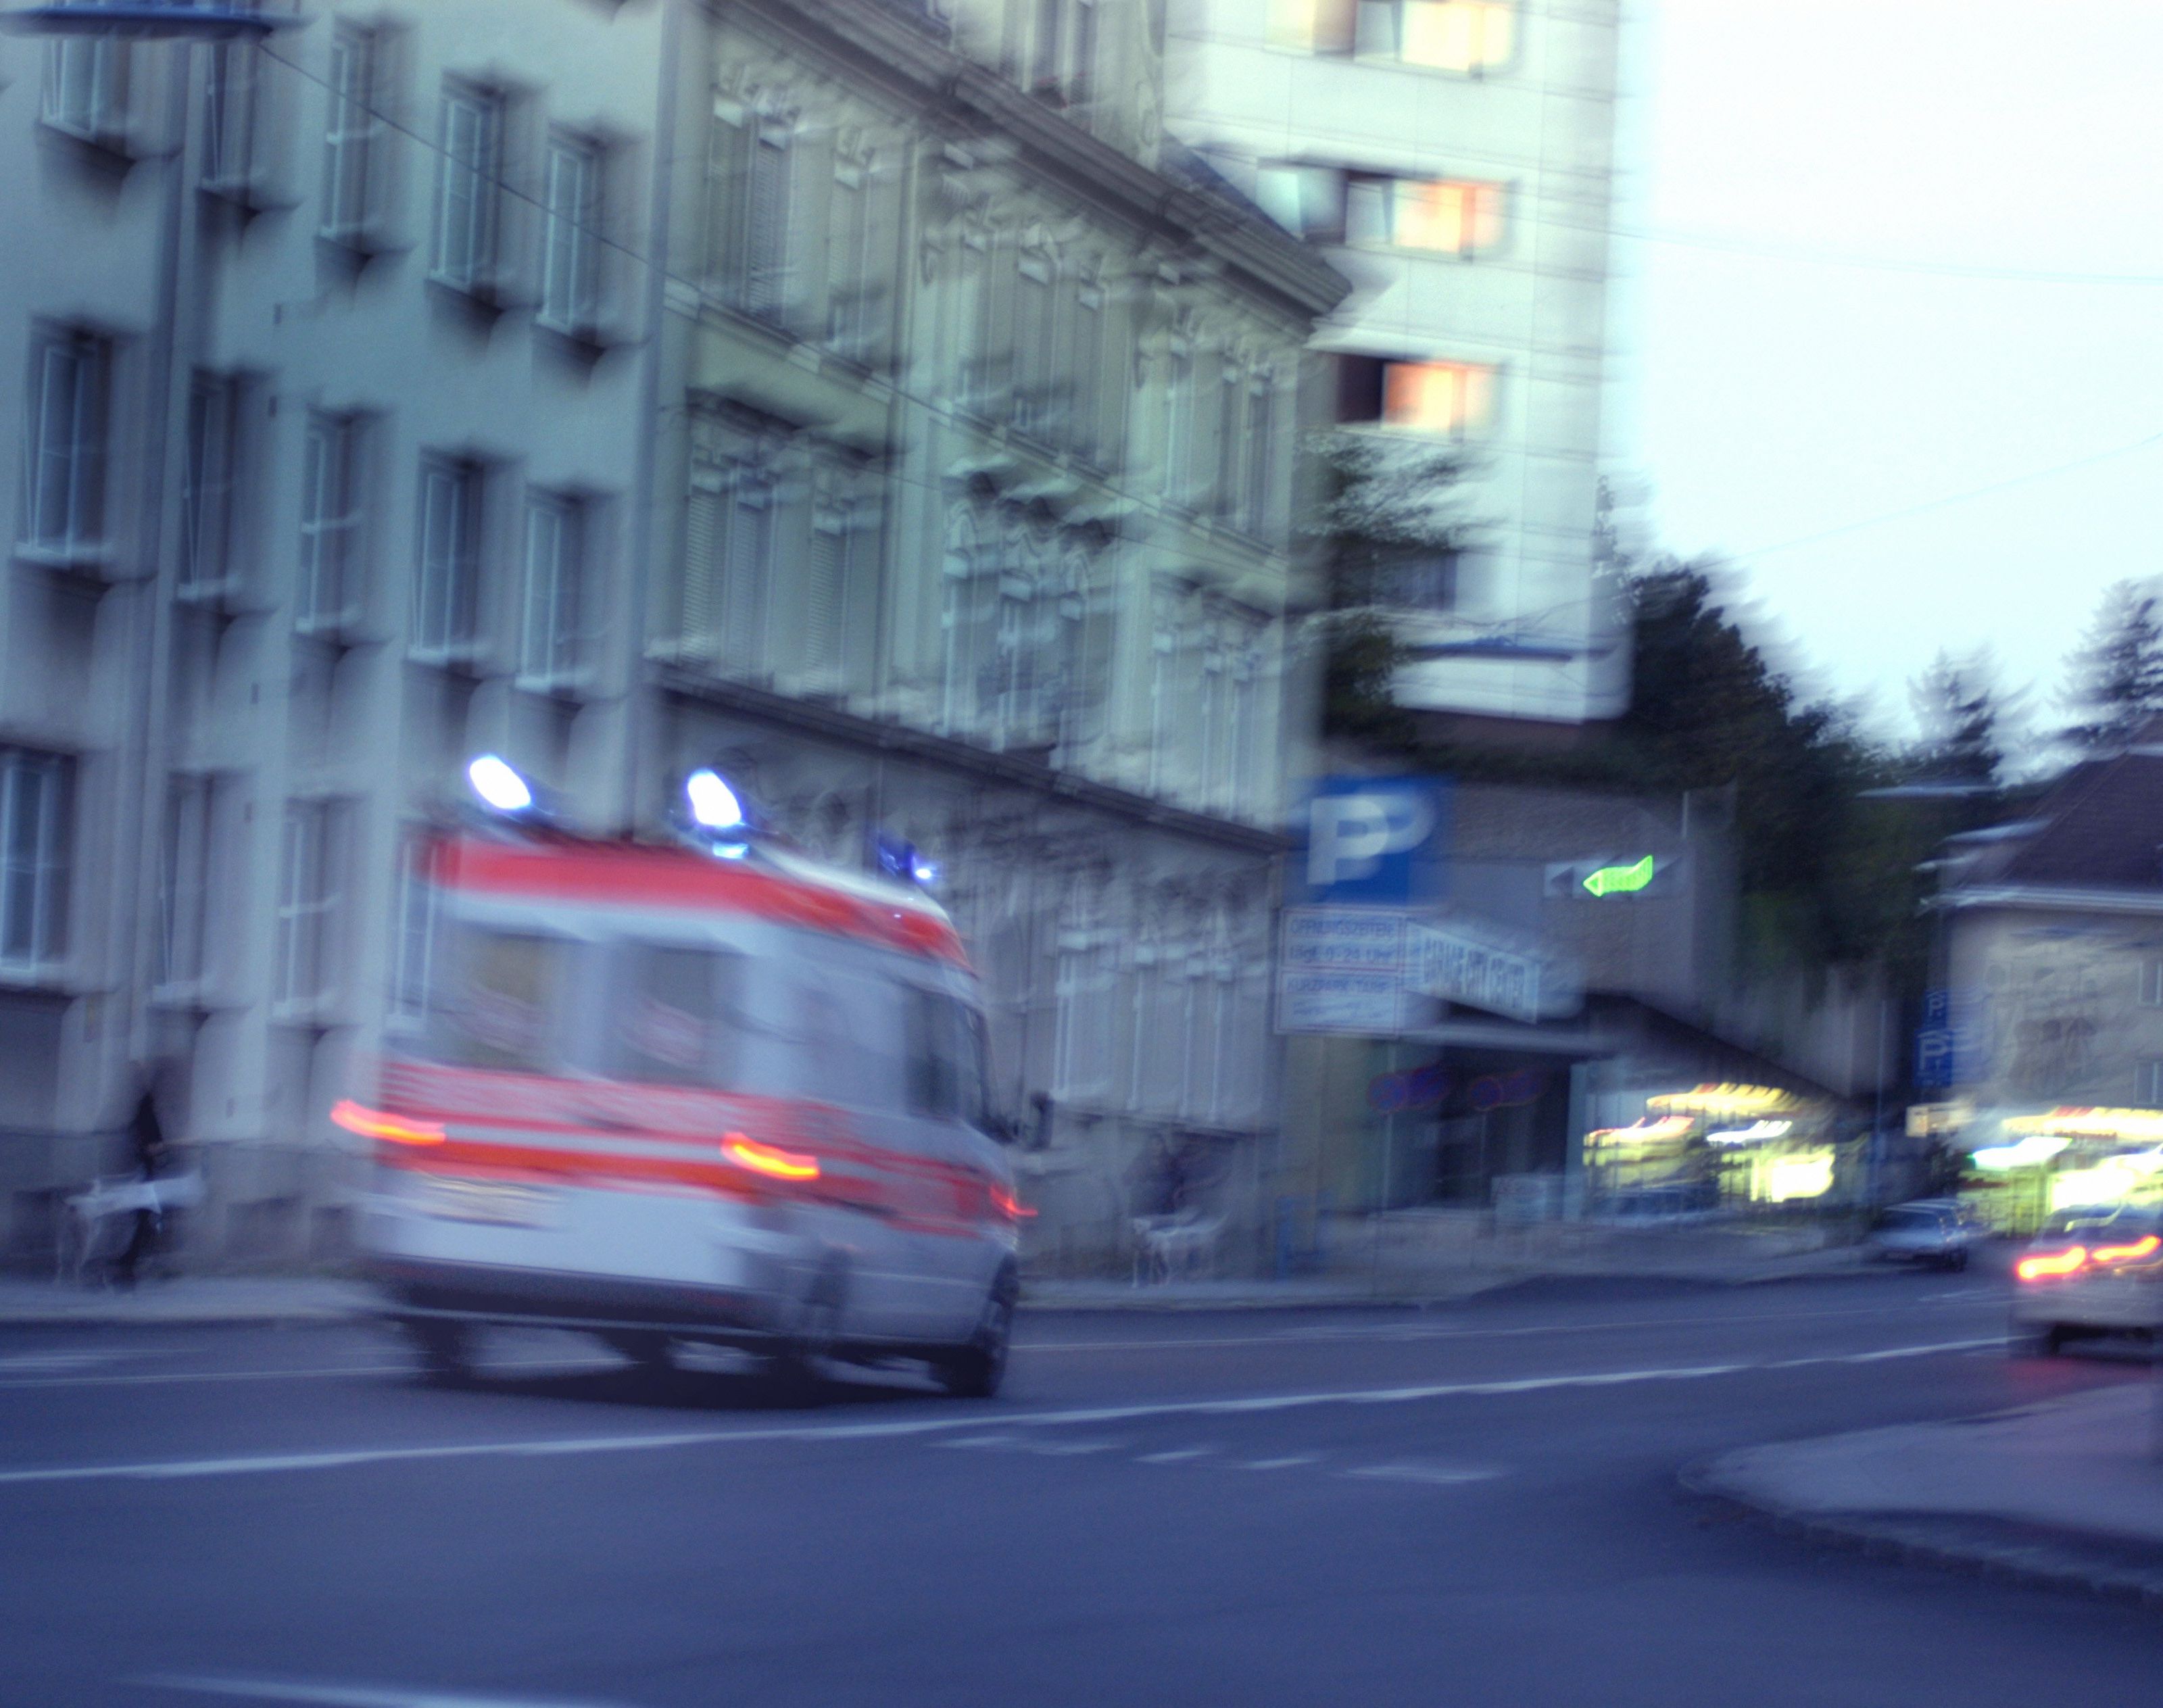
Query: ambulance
{"points": [[705, 1092]]}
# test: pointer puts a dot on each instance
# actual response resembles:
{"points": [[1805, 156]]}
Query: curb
{"points": [[2038, 1556]]}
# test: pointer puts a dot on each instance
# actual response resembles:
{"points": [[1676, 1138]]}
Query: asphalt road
{"points": [[1475, 1505]]}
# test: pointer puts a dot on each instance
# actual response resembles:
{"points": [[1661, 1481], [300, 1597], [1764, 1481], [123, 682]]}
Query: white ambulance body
{"points": [[664, 1096]]}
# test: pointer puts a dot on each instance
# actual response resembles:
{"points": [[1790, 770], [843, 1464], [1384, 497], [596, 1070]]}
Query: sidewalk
{"points": [[1350, 1286], [2069, 1493], [187, 1299]]}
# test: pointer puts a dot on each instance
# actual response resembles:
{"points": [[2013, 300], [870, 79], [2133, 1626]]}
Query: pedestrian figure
{"points": [[146, 1136]]}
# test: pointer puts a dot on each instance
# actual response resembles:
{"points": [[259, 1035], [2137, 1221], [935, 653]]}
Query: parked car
{"points": [[1935, 1231], [2089, 1272]]}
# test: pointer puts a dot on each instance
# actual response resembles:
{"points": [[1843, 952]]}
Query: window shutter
{"points": [[824, 601], [702, 541], [743, 592], [766, 221]]}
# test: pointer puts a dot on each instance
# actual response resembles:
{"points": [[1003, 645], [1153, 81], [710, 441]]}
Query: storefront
{"points": [[1721, 1147], [2065, 1158]]}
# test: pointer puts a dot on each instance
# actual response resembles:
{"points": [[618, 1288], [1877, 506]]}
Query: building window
{"points": [[2148, 1090], [729, 552], [184, 890], [207, 531], [1087, 416], [85, 91], [1426, 581], [328, 595], [571, 242], [1174, 690], [752, 211], [1261, 455], [447, 590], [413, 954], [550, 645], [65, 443], [1449, 35], [36, 804], [470, 139], [1446, 35], [1087, 995], [1452, 216], [840, 582], [859, 259], [1037, 392], [307, 899], [351, 144], [1453, 400], [229, 117]]}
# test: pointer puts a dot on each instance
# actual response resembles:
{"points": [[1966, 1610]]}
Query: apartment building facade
{"points": [[1454, 159], [858, 397]]}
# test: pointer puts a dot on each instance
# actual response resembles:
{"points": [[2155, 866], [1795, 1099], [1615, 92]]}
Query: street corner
{"points": [[2066, 1493]]}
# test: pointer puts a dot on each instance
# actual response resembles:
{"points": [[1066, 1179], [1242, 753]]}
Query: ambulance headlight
{"points": [[712, 804], [499, 787]]}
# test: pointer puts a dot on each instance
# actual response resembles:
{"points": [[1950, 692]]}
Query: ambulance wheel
{"points": [[975, 1371], [794, 1365], [445, 1347]]}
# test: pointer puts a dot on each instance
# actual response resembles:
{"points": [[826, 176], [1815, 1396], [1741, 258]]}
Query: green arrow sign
{"points": [[1620, 880]]}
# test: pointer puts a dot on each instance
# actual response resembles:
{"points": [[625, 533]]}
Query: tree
{"points": [[1960, 710], [1391, 522], [2118, 672]]}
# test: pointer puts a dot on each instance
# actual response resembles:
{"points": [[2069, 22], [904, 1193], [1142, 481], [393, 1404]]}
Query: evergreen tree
{"points": [[2118, 672], [1961, 710]]}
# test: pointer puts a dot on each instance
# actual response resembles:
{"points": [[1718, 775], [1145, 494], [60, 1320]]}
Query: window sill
{"points": [[253, 194], [472, 664], [113, 149], [483, 298], [571, 690], [87, 560], [1392, 62], [47, 979], [588, 337], [356, 246]]}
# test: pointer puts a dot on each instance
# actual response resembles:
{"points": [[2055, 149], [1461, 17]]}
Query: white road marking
{"points": [[36, 1361], [1392, 1333], [162, 1378], [340, 1459], [1284, 1464], [357, 1695], [1175, 1455], [1422, 1472]]}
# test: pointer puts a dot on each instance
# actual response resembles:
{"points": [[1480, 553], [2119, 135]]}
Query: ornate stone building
{"points": [[862, 394]]}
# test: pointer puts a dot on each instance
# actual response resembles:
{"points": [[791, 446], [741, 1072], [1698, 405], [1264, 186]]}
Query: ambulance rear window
{"points": [[678, 1022]]}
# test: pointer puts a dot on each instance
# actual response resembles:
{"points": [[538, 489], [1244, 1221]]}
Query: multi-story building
{"points": [[1455, 160], [867, 400]]}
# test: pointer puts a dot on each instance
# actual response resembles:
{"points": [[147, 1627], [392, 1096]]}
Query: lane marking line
{"points": [[163, 1378], [354, 1695], [1284, 1464], [1175, 1455], [1390, 1334], [1421, 1474], [1255, 1404]]}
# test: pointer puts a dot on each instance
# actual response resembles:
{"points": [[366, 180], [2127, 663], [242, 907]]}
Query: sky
{"points": [[1830, 314]]}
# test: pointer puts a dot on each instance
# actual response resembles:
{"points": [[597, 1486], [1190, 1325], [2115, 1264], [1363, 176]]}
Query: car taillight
{"points": [[2146, 1246], [1007, 1205], [378, 1123], [2045, 1264], [769, 1160]]}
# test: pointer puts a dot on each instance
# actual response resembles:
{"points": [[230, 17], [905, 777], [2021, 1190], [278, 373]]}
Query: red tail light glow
{"points": [[1007, 1204], [376, 1124], [769, 1160], [2146, 1246], [2046, 1263]]}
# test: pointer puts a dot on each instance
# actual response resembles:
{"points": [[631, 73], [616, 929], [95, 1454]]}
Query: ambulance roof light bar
{"points": [[503, 798], [713, 817]]}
